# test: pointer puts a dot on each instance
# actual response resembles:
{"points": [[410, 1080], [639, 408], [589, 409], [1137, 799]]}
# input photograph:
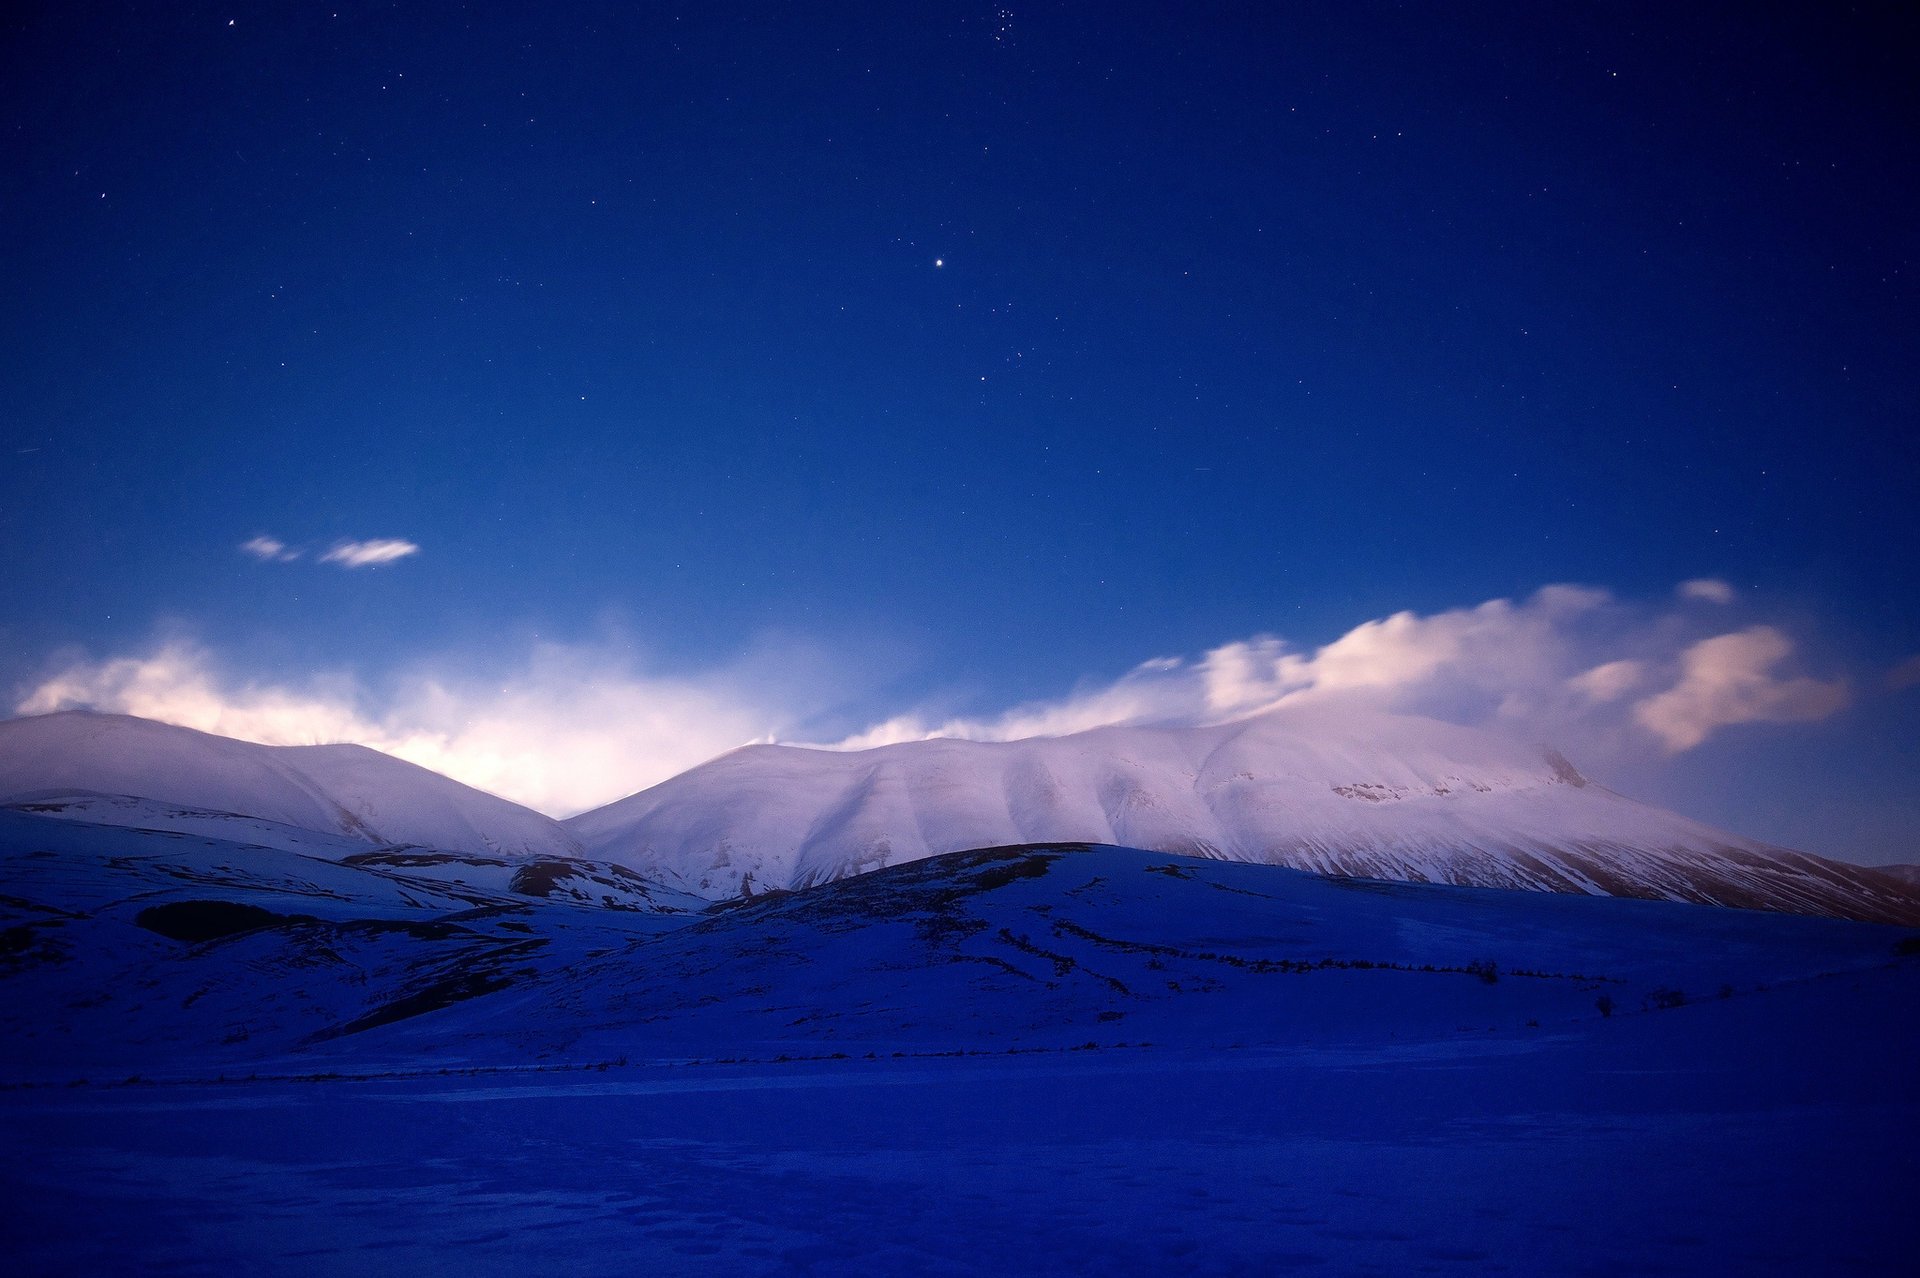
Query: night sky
{"points": [[842, 364]]}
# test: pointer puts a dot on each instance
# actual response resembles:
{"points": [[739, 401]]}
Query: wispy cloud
{"points": [[1570, 664], [369, 554], [567, 728], [269, 549], [1730, 679], [1706, 590], [348, 554], [1610, 680], [1904, 675], [573, 726]]}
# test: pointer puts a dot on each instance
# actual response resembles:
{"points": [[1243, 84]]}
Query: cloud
{"points": [[1904, 675], [348, 554], [1706, 590], [369, 554], [1568, 663], [1727, 680], [1609, 681], [568, 727], [269, 550], [174, 684]]}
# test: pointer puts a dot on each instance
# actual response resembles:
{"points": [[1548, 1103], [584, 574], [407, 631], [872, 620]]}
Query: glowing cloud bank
{"points": [[572, 727]]}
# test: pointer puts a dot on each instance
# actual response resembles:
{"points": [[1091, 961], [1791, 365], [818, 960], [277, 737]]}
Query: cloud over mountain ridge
{"points": [[572, 726]]}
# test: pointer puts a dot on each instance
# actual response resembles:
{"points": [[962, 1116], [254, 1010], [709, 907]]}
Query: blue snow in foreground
{"points": [[1058, 1060], [1751, 1136]]}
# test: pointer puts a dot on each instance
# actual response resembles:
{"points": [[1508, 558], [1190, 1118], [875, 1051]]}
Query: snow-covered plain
{"points": [[1751, 1137], [1028, 1060]]}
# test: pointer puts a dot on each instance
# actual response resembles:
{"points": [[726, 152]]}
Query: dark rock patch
{"points": [[196, 921]]}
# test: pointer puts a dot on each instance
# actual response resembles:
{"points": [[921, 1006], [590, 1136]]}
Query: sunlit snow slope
{"points": [[1366, 795], [345, 790]]}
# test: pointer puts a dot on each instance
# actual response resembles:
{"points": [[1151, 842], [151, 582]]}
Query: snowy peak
{"points": [[1366, 795], [344, 790], [1358, 795]]}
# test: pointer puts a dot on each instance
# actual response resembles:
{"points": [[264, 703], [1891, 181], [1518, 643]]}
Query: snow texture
{"points": [[231, 1057], [1364, 794], [346, 790]]}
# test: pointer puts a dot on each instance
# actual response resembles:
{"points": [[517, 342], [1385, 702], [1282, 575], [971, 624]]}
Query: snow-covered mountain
{"points": [[1365, 795], [147, 951], [103, 930], [348, 791], [1049, 947], [1361, 795]]}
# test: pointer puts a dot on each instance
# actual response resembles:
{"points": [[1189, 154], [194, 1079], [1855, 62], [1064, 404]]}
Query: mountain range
{"points": [[1362, 795]]}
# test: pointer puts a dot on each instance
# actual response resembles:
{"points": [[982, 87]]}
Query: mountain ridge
{"points": [[1367, 795], [341, 789], [1343, 793]]}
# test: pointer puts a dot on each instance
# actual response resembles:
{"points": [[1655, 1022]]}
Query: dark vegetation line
{"points": [[1062, 965], [1486, 970]]}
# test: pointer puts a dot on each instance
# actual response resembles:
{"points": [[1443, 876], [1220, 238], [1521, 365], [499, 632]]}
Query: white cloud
{"points": [[1610, 680], [1728, 679], [369, 554], [1563, 664], [269, 550], [568, 729], [573, 726], [348, 554], [1164, 689], [1706, 590], [174, 684]]}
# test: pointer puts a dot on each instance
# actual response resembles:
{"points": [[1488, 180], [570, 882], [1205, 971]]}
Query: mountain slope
{"points": [[1366, 795], [1056, 946], [345, 790], [133, 950], [157, 947], [1073, 1061]]}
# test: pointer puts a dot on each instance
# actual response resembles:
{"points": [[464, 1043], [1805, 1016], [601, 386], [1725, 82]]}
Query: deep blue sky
{"points": [[1250, 320]]}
